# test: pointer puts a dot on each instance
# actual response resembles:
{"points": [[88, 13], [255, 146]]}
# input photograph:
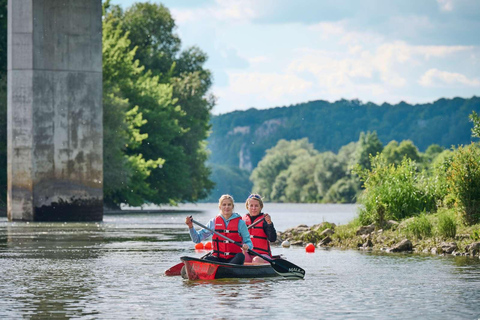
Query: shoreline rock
{"points": [[373, 239]]}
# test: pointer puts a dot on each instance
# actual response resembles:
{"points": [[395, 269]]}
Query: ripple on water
{"points": [[115, 270]]}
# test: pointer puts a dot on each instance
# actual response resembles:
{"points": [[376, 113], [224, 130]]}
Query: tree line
{"points": [[392, 182], [156, 108], [240, 141], [294, 171]]}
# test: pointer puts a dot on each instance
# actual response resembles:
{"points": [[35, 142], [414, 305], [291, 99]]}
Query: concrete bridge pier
{"points": [[55, 129]]}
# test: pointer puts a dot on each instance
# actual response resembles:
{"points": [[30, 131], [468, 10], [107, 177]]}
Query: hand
{"points": [[268, 218], [188, 222], [245, 247]]}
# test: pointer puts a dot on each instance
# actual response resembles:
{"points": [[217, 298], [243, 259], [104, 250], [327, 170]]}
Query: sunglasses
{"points": [[254, 196]]}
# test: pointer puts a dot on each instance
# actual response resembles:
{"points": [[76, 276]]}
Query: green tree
{"points": [[125, 172], [430, 154], [300, 184], [184, 114], [276, 160], [368, 145], [395, 153], [344, 190], [328, 170]]}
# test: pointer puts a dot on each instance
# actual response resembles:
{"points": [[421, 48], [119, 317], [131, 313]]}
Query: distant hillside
{"points": [[239, 139]]}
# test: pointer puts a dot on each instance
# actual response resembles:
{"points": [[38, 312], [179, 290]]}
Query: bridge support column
{"points": [[55, 129]]}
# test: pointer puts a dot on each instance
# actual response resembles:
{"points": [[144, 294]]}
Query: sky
{"points": [[273, 53]]}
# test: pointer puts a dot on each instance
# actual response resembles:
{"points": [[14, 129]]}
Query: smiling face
{"points": [[254, 207], [226, 208]]}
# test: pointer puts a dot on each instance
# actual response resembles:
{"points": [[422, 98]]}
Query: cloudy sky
{"points": [[269, 53]]}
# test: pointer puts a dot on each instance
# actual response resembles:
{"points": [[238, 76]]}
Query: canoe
{"points": [[199, 269]]}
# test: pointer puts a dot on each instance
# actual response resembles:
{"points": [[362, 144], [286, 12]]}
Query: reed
{"points": [[447, 224]]}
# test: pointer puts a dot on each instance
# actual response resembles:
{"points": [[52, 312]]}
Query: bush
{"points": [[419, 227], [464, 182], [393, 192], [447, 224]]}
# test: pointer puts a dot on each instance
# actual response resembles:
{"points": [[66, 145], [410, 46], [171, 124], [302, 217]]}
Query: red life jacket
{"points": [[259, 237], [223, 248]]}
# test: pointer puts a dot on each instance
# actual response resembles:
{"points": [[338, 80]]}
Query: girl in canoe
{"points": [[229, 224], [263, 232]]}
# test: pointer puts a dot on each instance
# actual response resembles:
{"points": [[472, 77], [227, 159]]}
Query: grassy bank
{"points": [[439, 233]]}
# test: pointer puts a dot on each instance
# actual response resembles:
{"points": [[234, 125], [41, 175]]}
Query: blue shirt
{"points": [[204, 233]]}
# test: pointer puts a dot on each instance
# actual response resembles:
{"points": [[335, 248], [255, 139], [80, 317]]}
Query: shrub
{"points": [[419, 227], [464, 182], [447, 224], [393, 192]]}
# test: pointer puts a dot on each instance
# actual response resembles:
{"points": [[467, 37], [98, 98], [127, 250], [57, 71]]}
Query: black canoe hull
{"points": [[198, 269]]}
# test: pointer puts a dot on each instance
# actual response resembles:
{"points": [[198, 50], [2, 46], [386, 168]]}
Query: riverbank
{"points": [[392, 237]]}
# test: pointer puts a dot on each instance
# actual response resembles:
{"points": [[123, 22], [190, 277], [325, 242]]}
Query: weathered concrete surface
{"points": [[55, 130]]}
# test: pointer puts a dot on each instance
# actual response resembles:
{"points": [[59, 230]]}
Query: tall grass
{"points": [[393, 192], [464, 182], [419, 227], [447, 224]]}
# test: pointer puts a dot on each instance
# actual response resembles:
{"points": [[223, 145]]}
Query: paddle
{"points": [[282, 267], [176, 270]]}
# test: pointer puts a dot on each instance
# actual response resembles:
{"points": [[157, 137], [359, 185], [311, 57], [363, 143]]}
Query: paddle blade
{"points": [[176, 270], [287, 269]]}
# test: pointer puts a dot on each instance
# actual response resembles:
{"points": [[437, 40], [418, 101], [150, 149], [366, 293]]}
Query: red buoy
{"points": [[199, 246], [310, 247], [208, 246]]}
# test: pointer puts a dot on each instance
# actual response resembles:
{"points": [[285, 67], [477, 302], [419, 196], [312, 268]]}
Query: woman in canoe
{"points": [[229, 224], [262, 233]]}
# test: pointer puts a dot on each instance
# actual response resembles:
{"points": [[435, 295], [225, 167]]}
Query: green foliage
{"points": [[368, 145], [347, 231], [475, 236], [345, 190], [151, 28], [125, 174], [447, 224], [419, 227], [300, 184], [328, 170], [277, 160], [395, 153], [392, 192], [476, 124], [166, 108], [329, 126], [463, 178]]}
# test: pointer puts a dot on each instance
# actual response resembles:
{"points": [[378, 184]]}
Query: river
{"points": [[114, 270]]}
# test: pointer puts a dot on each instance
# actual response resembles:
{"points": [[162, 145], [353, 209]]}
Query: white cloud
{"points": [[434, 77], [445, 5], [440, 51]]}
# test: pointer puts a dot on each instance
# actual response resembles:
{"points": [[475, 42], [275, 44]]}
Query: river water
{"points": [[114, 270]]}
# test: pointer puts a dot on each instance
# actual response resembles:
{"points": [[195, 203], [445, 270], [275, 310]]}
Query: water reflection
{"points": [[115, 270], [50, 267]]}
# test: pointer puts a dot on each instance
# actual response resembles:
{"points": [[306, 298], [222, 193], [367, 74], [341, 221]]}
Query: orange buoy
{"points": [[208, 246], [199, 246], [310, 247]]}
